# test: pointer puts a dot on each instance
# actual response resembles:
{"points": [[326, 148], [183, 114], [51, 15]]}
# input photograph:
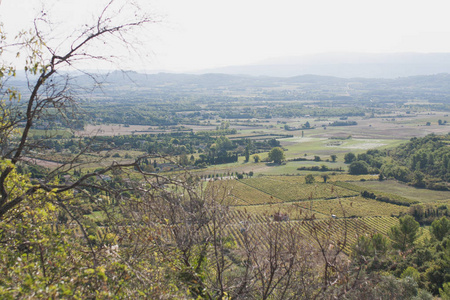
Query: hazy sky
{"points": [[197, 34]]}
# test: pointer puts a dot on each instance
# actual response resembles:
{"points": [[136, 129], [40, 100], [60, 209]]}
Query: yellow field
{"points": [[354, 207], [294, 188], [238, 193]]}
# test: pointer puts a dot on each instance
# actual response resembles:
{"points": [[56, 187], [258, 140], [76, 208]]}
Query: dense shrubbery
{"points": [[424, 264], [358, 167], [425, 214]]}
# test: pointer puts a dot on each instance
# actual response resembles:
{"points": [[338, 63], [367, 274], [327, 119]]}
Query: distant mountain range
{"points": [[127, 85], [338, 76], [346, 65]]}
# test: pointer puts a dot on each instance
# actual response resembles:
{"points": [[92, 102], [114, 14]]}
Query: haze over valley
{"points": [[224, 149]]}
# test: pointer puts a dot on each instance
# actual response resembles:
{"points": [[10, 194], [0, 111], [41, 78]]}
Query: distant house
{"points": [[279, 217]]}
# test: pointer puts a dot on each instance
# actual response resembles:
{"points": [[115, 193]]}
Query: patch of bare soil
{"points": [[42, 163]]}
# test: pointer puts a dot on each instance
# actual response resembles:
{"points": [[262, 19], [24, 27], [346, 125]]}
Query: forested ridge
{"points": [[429, 155], [421, 162]]}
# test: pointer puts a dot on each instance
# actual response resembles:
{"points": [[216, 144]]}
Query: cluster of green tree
{"points": [[213, 150], [34, 170], [340, 138], [223, 150], [213, 158], [426, 157], [219, 152], [300, 159], [364, 163], [421, 162], [241, 175], [373, 158], [263, 145], [425, 263], [425, 214], [343, 123], [310, 179], [276, 155], [174, 143], [359, 167], [316, 158]]}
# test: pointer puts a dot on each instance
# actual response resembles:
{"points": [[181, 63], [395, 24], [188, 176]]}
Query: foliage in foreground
{"points": [[175, 243]]}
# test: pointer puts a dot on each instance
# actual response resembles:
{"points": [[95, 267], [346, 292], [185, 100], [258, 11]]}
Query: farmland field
{"points": [[421, 195], [348, 207], [293, 210], [293, 188], [257, 200], [238, 193], [323, 146], [344, 230], [354, 207]]}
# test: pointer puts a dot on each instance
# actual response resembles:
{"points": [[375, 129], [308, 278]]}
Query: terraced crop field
{"points": [[292, 209], [380, 224], [345, 231], [353, 207], [293, 188], [237, 193], [308, 207]]}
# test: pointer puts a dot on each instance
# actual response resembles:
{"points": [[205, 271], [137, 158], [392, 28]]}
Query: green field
{"points": [[394, 187], [237, 193], [385, 192]]}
